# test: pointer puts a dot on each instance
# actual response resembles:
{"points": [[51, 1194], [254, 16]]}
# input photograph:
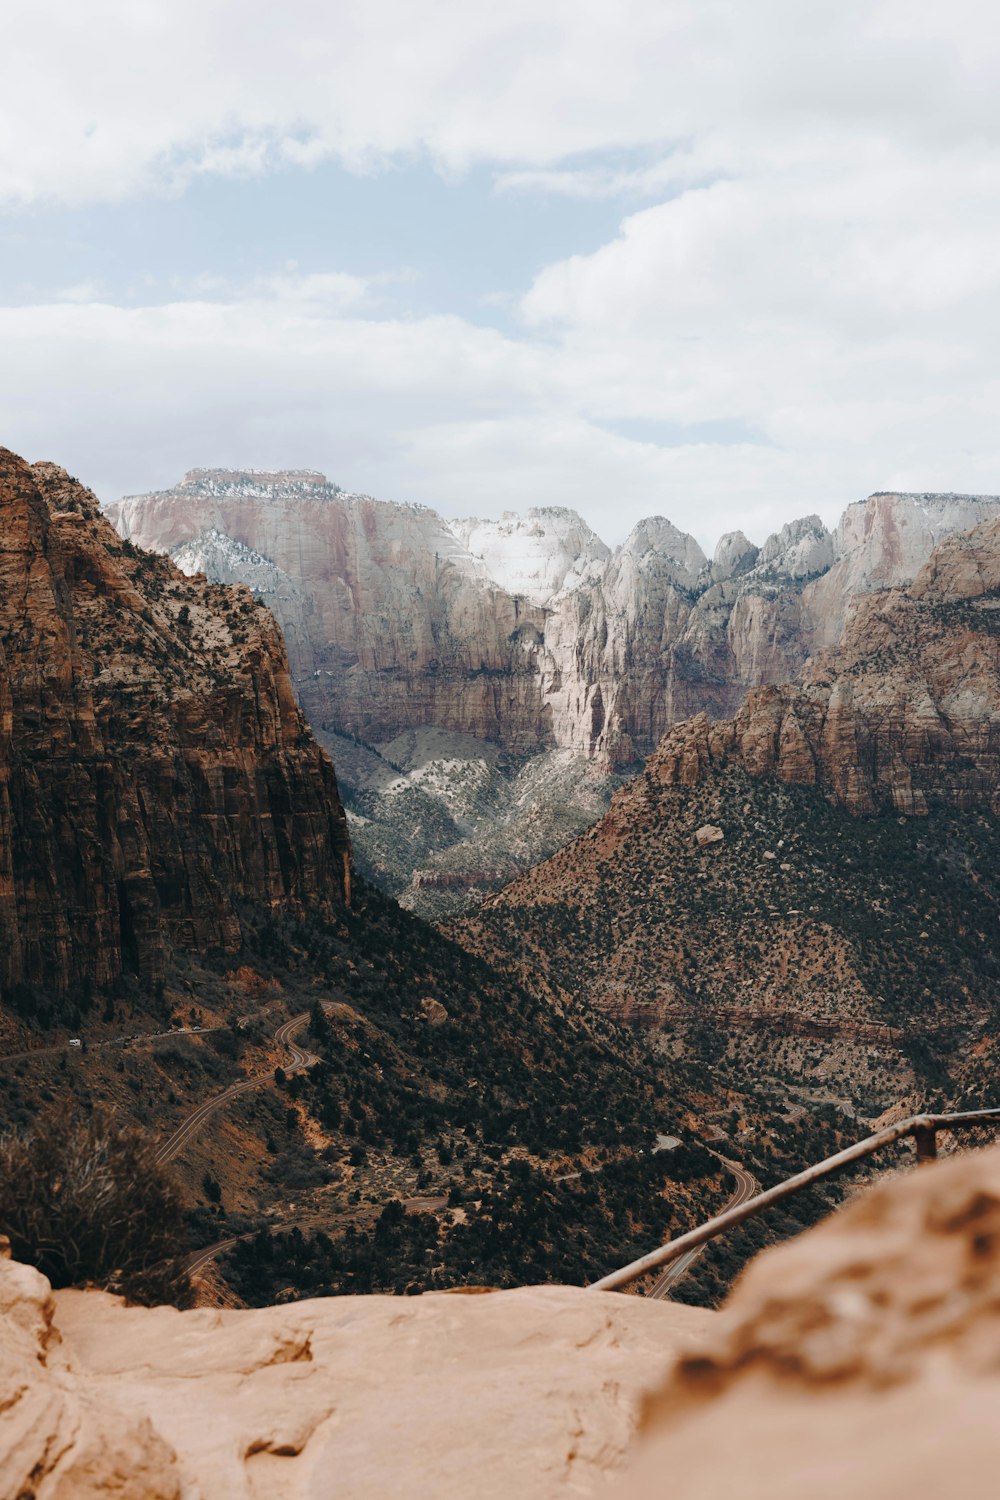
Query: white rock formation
{"points": [[537, 555], [527, 632]]}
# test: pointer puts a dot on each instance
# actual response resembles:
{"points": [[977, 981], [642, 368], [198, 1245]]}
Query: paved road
{"points": [[299, 1060], [114, 1041], [746, 1187]]}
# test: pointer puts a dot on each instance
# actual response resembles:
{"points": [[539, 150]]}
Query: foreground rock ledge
{"points": [[528, 1393], [859, 1362]]}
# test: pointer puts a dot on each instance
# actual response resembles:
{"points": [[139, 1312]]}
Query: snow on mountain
{"points": [[536, 555], [224, 560]]}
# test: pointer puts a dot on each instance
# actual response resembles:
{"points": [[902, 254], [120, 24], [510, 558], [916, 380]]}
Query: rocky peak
{"points": [[537, 554], [658, 542], [801, 549], [734, 554]]}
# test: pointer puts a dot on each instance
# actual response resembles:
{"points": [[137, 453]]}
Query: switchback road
{"points": [[299, 1060]]}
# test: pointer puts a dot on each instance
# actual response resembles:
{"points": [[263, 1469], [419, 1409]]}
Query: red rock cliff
{"points": [[905, 714], [156, 775]]}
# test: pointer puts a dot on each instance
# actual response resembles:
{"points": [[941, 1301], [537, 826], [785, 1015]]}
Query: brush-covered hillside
{"points": [[807, 892]]}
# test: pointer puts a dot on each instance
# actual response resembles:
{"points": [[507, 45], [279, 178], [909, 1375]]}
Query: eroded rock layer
{"points": [[155, 770]]}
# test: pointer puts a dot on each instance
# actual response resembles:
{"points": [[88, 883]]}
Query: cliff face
{"points": [[903, 716], [528, 631], [155, 771], [390, 622], [810, 919]]}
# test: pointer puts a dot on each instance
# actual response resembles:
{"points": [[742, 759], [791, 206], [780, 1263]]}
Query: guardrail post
{"points": [[925, 1138]]}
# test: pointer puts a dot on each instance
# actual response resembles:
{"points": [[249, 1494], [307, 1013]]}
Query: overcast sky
{"points": [[728, 261]]}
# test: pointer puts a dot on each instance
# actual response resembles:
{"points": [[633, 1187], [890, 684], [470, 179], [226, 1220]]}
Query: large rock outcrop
{"points": [[155, 770], [904, 715], [862, 1359], [533, 1392]]}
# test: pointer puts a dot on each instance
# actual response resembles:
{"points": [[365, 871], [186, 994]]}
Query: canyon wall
{"points": [[155, 770], [529, 631]]}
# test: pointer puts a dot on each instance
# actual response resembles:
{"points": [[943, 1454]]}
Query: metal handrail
{"points": [[922, 1128]]}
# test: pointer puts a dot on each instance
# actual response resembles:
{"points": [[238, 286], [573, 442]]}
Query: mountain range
{"points": [[469, 676]]}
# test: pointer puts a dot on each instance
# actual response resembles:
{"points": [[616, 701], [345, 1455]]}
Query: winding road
{"points": [[746, 1187], [299, 1060]]}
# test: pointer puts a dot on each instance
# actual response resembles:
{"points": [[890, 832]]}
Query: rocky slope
{"points": [[842, 914], [525, 632], [440, 819], [155, 770]]}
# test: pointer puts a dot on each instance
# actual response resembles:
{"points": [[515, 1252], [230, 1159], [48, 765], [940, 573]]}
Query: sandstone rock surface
{"points": [[155, 770], [861, 1359], [531, 1392]]}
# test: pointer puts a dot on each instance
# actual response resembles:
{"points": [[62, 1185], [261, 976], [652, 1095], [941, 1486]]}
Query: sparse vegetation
{"points": [[86, 1202]]}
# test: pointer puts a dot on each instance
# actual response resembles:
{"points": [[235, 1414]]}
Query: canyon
{"points": [[177, 892], [469, 675]]}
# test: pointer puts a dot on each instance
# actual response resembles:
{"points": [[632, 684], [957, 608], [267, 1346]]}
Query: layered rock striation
{"points": [[902, 716], [528, 631], [156, 774]]}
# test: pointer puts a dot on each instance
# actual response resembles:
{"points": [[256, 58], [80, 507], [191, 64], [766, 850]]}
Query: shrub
{"points": [[87, 1202]]}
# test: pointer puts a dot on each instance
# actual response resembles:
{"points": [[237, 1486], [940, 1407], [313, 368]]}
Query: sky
{"points": [[728, 261]]}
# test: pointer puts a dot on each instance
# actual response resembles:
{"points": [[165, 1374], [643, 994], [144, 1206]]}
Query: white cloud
{"points": [[117, 96], [467, 419], [817, 264]]}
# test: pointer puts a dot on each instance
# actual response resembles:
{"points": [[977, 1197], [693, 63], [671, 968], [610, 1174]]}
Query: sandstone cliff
{"points": [[155, 771], [528, 631]]}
